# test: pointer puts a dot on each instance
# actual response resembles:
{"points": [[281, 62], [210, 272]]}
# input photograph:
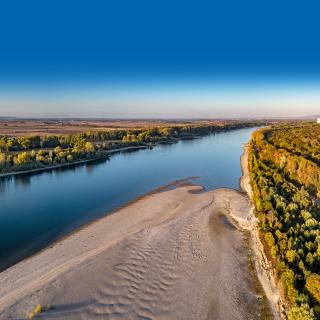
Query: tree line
{"points": [[33, 152], [285, 179]]}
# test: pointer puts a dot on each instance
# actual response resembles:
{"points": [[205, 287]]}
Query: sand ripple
{"points": [[171, 255]]}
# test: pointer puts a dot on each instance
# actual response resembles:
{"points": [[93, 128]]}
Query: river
{"points": [[38, 208]]}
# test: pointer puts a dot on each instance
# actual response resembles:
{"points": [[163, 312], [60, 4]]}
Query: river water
{"points": [[38, 208]]}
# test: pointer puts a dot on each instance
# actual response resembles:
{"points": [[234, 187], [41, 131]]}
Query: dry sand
{"points": [[174, 255]]}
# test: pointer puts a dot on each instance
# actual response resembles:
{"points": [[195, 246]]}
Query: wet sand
{"points": [[177, 254]]}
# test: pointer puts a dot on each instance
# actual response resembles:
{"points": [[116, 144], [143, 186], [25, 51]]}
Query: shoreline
{"points": [[71, 164], [173, 239], [112, 151], [263, 266], [169, 216], [29, 253]]}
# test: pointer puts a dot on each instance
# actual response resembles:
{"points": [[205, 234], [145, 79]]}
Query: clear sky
{"points": [[159, 58]]}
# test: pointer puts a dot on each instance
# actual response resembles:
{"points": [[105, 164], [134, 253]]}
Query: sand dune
{"points": [[171, 255]]}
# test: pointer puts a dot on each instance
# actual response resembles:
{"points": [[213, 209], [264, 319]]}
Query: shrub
{"points": [[313, 287]]}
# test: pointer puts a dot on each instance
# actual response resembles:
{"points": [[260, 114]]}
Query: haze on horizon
{"points": [[204, 100]]}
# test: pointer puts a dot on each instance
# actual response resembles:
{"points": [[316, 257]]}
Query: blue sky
{"points": [[159, 58]]}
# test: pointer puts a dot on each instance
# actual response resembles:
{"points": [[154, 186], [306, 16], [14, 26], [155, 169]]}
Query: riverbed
{"points": [[38, 208]]}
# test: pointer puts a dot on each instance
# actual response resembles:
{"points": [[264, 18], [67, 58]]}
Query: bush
{"points": [[302, 312]]}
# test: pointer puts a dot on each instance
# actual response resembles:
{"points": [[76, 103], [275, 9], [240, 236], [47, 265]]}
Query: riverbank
{"points": [[10, 165], [75, 163], [176, 254], [264, 268]]}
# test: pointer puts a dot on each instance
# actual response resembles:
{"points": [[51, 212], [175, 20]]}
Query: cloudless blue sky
{"points": [[54, 52]]}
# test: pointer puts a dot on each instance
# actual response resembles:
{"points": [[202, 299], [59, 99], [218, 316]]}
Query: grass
{"points": [[38, 310]]}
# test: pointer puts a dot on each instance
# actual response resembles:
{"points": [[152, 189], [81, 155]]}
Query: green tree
{"points": [[313, 286], [302, 312], [291, 255], [22, 158], [89, 147]]}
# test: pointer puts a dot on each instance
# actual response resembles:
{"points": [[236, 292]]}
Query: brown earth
{"points": [[71, 126]]}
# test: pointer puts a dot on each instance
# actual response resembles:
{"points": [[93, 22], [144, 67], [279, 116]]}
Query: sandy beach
{"points": [[177, 254]]}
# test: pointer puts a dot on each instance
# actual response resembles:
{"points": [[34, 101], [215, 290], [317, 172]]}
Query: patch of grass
{"points": [[38, 310]]}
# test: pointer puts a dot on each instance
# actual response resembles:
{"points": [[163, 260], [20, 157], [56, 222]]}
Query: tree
{"points": [[3, 144], [302, 312], [309, 259], [291, 255], [2, 160], [10, 144], [24, 143], [313, 286], [269, 239], [89, 147], [57, 150], [22, 158]]}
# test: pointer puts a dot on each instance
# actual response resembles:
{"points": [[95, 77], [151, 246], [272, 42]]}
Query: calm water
{"points": [[38, 208]]}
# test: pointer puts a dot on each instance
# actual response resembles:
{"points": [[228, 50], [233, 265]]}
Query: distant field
{"points": [[34, 144], [57, 127]]}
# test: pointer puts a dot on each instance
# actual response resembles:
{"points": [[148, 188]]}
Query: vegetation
{"points": [[27, 153], [38, 310], [285, 176]]}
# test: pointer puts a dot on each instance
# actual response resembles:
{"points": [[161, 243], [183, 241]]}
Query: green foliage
{"points": [[89, 147], [288, 282], [38, 310], [302, 312], [26, 153], [313, 287], [291, 255], [269, 239], [285, 177], [22, 158]]}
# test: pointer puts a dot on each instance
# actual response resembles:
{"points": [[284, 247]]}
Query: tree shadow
{"points": [[60, 311]]}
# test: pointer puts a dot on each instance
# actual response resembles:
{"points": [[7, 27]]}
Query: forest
{"points": [[23, 153], [284, 165]]}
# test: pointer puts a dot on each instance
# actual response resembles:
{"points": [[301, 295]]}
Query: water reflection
{"points": [[92, 166], [37, 208], [4, 183], [22, 181]]}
